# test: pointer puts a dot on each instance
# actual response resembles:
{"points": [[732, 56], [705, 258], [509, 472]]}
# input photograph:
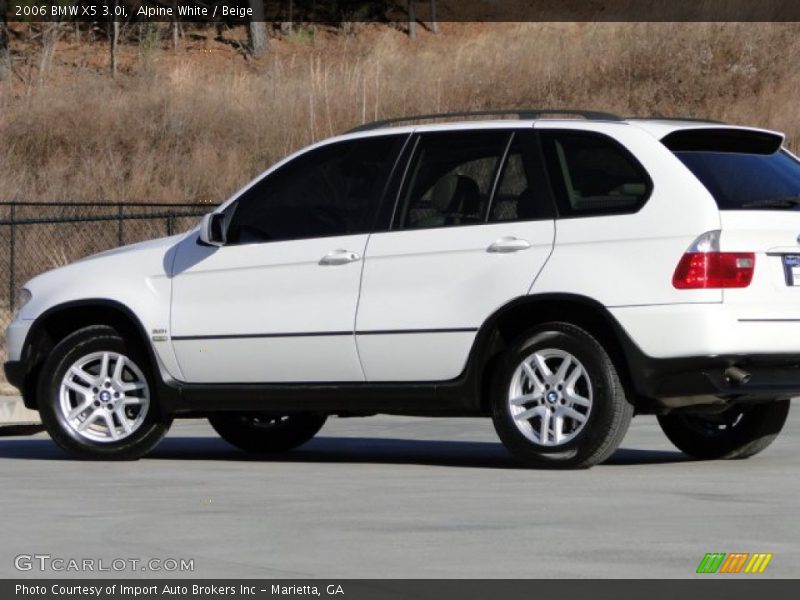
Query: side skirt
{"points": [[436, 398]]}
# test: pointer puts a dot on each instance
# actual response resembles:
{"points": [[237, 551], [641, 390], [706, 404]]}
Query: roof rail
{"points": [[521, 113], [687, 119]]}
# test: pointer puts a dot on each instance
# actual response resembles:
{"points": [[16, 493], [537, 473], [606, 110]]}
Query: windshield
{"points": [[740, 181]]}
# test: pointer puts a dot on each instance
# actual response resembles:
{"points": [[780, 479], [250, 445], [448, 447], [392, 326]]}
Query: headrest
{"points": [[467, 196], [443, 192], [526, 205]]}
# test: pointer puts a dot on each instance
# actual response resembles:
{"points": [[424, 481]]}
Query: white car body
{"points": [[409, 307]]}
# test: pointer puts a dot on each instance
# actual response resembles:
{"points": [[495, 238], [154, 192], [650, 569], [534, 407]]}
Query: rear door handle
{"points": [[339, 257], [509, 244]]}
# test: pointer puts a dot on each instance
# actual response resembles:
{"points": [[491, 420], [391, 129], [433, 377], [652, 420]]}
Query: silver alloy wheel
{"points": [[104, 397], [550, 397]]}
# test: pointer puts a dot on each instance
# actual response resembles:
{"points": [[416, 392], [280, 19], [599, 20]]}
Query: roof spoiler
{"points": [[724, 139]]}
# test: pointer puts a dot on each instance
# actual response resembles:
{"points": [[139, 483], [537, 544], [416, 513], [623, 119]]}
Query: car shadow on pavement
{"points": [[479, 455]]}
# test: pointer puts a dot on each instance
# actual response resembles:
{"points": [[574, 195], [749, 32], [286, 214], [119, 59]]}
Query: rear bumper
{"points": [[706, 380], [687, 330], [678, 354]]}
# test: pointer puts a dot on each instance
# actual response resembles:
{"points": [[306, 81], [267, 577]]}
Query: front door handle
{"points": [[509, 244], [339, 257]]}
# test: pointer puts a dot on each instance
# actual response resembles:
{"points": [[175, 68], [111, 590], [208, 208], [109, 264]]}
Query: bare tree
{"points": [[50, 34], [176, 28], [5, 55], [286, 26], [257, 29], [114, 42], [412, 19]]}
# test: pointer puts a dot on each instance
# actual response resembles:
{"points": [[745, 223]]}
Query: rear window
{"points": [[748, 172]]}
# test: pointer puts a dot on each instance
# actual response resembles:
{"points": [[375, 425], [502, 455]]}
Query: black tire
{"points": [[606, 421], [739, 432], [267, 433], [154, 425]]}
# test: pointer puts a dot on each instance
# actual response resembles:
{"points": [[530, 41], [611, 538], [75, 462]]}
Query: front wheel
{"points": [[96, 397], [738, 432], [266, 433], [558, 400]]}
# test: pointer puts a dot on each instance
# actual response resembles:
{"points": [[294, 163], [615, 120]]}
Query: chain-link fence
{"points": [[36, 237]]}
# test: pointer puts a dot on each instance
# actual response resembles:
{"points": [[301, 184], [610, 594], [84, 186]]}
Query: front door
{"points": [[277, 302]]}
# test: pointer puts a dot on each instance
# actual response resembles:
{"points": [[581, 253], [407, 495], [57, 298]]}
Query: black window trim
{"points": [[501, 167], [394, 182], [535, 167], [559, 212], [395, 201]]}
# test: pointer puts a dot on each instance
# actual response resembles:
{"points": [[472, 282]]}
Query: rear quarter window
{"points": [[593, 175]]}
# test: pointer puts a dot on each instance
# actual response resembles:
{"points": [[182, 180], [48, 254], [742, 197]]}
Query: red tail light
{"points": [[703, 270]]}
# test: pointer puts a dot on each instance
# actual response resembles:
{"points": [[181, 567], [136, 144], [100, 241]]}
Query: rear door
{"points": [[756, 185], [472, 228]]}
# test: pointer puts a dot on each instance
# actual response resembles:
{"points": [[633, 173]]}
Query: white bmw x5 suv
{"points": [[559, 271]]}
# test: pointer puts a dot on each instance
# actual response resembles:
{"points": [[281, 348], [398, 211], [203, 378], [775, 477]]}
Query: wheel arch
{"points": [[513, 319], [61, 320]]}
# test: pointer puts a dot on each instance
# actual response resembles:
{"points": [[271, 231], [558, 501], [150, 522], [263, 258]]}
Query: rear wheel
{"points": [[267, 432], [739, 432], [96, 397], [558, 400]]}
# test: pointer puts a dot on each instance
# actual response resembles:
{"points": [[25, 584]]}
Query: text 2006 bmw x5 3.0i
{"points": [[559, 271]]}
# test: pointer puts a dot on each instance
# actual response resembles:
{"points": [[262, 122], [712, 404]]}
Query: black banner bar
{"points": [[334, 11], [743, 587]]}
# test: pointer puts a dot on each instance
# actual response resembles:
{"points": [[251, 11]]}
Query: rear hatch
{"points": [[756, 184]]}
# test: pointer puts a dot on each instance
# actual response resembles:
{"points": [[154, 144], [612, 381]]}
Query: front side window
{"points": [[593, 175], [331, 190], [450, 179]]}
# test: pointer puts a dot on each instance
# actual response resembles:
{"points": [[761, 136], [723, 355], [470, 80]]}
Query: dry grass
{"points": [[197, 126]]}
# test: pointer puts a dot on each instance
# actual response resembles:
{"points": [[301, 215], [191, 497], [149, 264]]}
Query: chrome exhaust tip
{"points": [[737, 375]]}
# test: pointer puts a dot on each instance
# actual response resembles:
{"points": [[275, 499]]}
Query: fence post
{"points": [[169, 223], [12, 296], [119, 224]]}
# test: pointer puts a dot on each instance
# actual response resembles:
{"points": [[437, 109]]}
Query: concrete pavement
{"points": [[401, 497]]}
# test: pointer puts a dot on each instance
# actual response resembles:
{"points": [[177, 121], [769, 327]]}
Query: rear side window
{"points": [[745, 172], [521, 187], [450, 179], [593, 175]]}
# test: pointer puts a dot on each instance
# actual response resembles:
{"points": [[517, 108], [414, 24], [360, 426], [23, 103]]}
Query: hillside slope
{"points": [[197, 123]]}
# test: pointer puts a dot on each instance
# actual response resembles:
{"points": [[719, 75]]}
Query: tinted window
{"points": [[518, 198], [333, 190], [593, 175], [450, 179], [747, 181]]}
